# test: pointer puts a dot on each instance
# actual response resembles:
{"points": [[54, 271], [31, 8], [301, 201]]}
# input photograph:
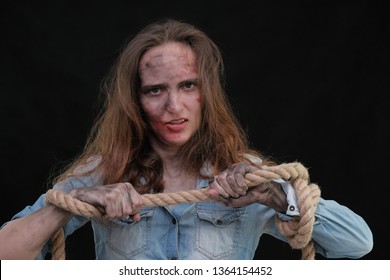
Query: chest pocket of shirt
{"points": [[218, 231], [131, 238]]}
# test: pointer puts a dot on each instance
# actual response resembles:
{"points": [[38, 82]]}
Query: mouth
{"points": [[176, 122]]}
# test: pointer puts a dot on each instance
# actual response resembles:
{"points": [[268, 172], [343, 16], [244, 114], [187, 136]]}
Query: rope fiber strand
{"points": [[298, 231]]}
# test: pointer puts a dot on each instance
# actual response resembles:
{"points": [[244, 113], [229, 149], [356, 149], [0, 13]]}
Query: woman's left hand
{"points": [[230, 183], [229, 188]]}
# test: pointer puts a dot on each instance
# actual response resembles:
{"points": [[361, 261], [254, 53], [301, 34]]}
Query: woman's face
{"points": [[169, 93]]}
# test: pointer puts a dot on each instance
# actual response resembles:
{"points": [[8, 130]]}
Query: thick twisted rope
{"points": [[298, 231]]}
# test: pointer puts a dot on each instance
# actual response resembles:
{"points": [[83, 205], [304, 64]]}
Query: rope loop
{"points": [[298, 231]]}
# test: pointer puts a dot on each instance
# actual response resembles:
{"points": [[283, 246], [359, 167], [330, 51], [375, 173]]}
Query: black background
{"points": [[308, 80]]}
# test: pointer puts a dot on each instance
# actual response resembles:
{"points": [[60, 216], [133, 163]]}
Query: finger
{"points": [[248, 199], [222, 186], [126, 205], [213, 193], [237, 184], [136, 199], [236, 177], [132, 201], [136, 217], [116, 202], [216, 190]]}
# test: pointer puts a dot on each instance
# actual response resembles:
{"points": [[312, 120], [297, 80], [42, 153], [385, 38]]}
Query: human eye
{"points": [[188, 86], [154, 91], [151, 91]]}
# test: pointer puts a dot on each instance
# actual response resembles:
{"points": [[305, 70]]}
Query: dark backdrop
{"points": [[308, 82]]}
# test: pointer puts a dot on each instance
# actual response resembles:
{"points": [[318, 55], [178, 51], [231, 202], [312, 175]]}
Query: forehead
{"points": [[171, 52]]}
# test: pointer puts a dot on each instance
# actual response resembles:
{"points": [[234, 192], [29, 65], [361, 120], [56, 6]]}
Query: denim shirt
{"points": [[209, 230]]}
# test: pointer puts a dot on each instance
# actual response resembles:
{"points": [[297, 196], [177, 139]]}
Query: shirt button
{"points": [[174, 221], [292, 208], [219, 222]]}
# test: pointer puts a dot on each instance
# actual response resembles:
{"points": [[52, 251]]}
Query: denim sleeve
{"points": [[339, 232]]}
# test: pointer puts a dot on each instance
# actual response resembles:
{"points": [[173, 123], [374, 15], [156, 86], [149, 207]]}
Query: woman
{"points": [[167, 127]]}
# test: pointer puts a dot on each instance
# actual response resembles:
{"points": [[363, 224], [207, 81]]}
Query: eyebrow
{"points": [[162, 85], [146, 88], [194, 81]]}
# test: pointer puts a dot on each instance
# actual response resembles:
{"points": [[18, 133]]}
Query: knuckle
{"points": [[230, 179], [128, 186], [137, 205], [127, 211], [109, 197], [122, 187]]}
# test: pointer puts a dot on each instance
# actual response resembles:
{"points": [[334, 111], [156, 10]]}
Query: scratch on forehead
{"points": [[169, 56], [151, 61]]}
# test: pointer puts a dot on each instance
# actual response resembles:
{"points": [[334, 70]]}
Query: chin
{"points": [[177, 142]]}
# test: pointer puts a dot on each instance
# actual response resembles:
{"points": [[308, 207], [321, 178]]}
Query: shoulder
{"points": [[253, 158], [84, 175], [90, 165]]}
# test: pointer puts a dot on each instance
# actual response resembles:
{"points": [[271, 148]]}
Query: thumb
{"points": [[136, 217], [212, 193]]}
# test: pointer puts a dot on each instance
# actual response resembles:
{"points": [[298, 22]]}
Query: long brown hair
{"points": [[120, 135]]}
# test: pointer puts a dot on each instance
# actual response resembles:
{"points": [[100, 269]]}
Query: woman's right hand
{"points": [[116, 200]]}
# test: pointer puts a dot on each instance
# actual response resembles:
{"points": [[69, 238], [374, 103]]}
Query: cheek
{"points": [[149, 109], [153, 115], [153, 119], [156, 124]]}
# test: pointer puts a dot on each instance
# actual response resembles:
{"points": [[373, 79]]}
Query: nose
{"points": [[174, 102]]}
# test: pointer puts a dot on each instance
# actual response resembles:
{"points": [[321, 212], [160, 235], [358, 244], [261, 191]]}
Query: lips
{"points": [[177, 125], [176, 122]]}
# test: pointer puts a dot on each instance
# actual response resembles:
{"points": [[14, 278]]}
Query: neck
{"points": [[168, 154], [175, 177]]}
